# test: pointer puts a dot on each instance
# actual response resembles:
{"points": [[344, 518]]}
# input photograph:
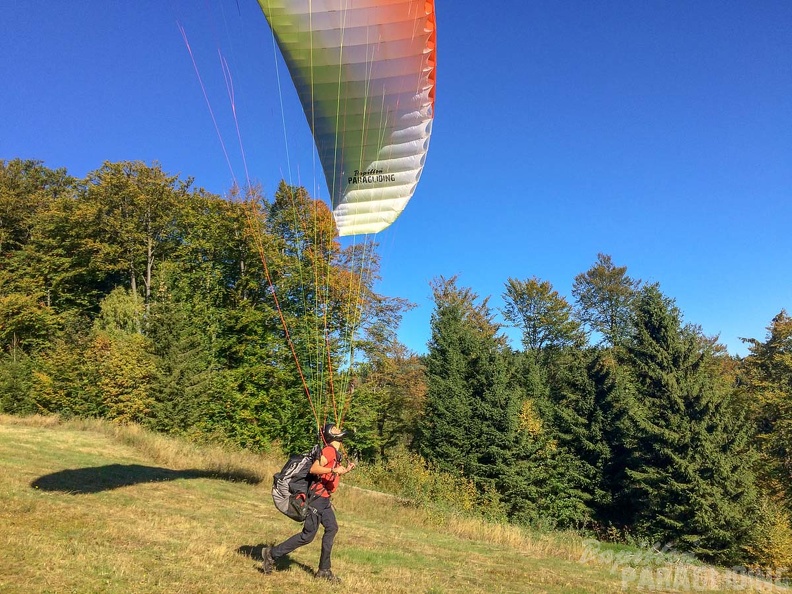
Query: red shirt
{"points": [[327, 483]]}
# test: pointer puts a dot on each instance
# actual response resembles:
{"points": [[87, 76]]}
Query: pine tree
{"points": [[613, 438], [582, 418], [561, 459], [556, 481], [447, 430], [480, 421], [185, 371], [690, 477], [16, 380]]}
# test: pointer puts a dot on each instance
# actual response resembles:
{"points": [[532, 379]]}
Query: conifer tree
{"points": [[480, 421], [580, 414], [561, 460], [557, 481], [690, 477], [16, 378], [183, 383], [447, 429], [612, 438]]}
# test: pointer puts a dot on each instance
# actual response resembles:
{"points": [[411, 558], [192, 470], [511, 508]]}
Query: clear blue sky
{"points": [[659, 132]]}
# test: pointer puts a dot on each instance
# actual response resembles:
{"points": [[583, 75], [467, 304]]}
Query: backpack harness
{"points": [[290, 486]]}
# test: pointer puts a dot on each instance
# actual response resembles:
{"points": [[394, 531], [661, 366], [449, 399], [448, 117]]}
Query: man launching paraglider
{"points": [[326, 472], [365, 73]]}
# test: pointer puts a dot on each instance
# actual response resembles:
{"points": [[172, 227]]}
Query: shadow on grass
{"points": [[81, 481], [254, 552]]}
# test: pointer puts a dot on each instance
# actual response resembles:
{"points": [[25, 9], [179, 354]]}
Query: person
{"points": [[326, 471]]}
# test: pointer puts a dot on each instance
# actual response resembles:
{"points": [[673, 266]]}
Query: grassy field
{"points": [[90, 507]]}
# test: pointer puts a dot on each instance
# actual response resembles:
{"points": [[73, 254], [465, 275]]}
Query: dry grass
{"points": [[87, 506]]}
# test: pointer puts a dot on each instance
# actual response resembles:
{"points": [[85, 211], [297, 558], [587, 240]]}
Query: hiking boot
{"points": [[326, 574], [267, 562]]}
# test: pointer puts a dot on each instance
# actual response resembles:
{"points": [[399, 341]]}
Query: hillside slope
{"points": [[88, 507]]}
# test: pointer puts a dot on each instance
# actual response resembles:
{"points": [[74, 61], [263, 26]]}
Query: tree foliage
{"points": [[480, 421], [692, 470], [132, 295], [604, 295], [766, 391], [545, 318]]}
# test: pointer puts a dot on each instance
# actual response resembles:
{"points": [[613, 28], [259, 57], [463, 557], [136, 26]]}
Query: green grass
{"points": [[91, 507]]}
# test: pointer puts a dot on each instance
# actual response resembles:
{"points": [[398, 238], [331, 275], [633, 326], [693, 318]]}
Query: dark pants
{"points": [[321, 513]]}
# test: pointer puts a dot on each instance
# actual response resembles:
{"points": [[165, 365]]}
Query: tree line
{"points": [[134, 296]]}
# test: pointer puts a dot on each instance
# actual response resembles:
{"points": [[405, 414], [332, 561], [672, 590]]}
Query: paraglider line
{"points": [[229, 81], [206, 98], [262, 255]]}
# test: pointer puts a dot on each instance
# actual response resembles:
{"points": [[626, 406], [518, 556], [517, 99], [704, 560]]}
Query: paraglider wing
{"points": [[365, 73]]}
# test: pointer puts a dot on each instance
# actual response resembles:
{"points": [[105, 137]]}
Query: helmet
{"points": [[332, 433]]}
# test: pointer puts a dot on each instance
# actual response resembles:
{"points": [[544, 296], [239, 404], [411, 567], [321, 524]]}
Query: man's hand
{"points": [[343, 470]]}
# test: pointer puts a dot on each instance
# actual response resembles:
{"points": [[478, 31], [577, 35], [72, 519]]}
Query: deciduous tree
{"points": [[604, 294], [766, 387], [544, 316]]}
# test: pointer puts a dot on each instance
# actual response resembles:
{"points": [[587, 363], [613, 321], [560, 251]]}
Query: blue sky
{"points": [[658, 132]]}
